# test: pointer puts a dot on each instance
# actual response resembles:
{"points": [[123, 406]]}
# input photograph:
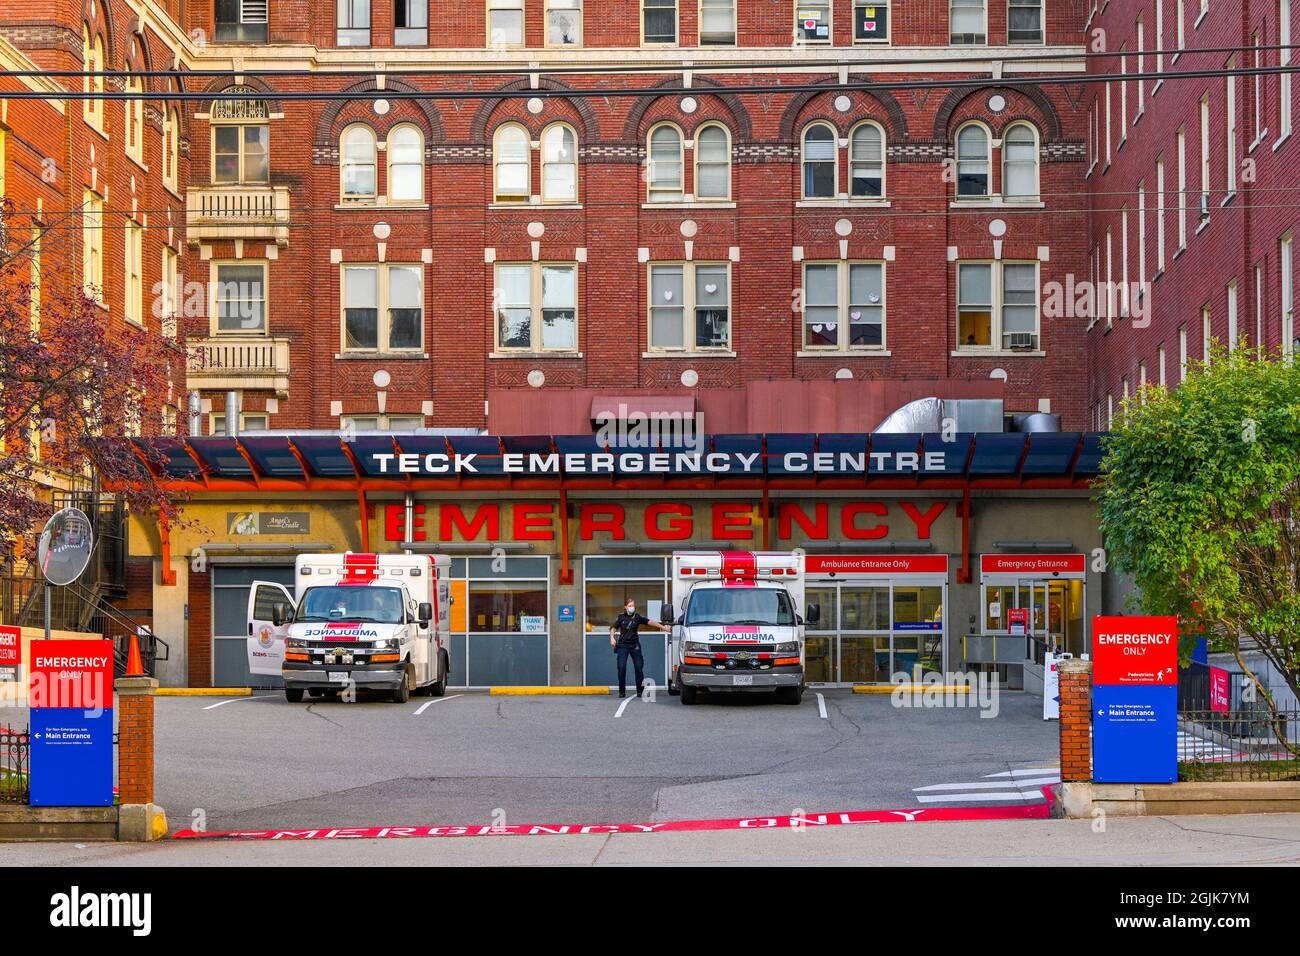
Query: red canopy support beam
{"points": [[964, 572], [364, 508], [566, 571], [167, 574], [766, 523]]}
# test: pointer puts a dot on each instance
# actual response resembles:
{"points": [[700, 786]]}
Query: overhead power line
{"points": [[883, 63], [866, 86]]}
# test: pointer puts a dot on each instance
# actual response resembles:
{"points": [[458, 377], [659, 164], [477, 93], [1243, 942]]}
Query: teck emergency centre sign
{"points": [[71, 698], [1135, 699]]}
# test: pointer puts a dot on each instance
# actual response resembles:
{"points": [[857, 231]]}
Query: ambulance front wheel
{"points": [[293, 695], [689, 694], [402, 693]]}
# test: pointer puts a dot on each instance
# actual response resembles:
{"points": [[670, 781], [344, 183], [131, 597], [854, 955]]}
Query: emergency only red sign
{"points": [[1135, 650], [76, 674], [11, 652]]}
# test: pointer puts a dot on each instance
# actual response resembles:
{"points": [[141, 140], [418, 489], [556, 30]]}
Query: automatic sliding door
{"points": [[819, 639], [864, 633]]}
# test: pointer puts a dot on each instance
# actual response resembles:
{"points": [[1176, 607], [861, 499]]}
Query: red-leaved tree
{"points": [[75, 380]]}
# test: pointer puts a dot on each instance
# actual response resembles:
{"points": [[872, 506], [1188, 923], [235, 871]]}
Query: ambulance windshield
{"points": [[769, 606], [344, 603]]}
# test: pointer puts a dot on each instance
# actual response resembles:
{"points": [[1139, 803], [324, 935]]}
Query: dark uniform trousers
{"points": [[624, 651]]}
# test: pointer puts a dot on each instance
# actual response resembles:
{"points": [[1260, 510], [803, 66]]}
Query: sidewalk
{"points": [[1169, 841]]}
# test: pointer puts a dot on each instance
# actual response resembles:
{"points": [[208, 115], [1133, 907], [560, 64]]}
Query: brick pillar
{"points": [[1076, 720], [135, 739]]}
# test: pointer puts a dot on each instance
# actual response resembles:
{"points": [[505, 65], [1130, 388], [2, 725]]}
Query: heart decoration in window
{"points": [[668, 295], [711, 288]]}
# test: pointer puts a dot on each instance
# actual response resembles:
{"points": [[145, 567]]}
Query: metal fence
{"points": [[15, 765], [1245, 742]]}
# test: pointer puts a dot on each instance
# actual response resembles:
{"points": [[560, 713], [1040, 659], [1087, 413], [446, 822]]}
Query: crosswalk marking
{"points": [[1007, 786]]}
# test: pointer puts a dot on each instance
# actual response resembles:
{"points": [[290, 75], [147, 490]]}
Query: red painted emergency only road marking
{"points": [[1039, 811]]}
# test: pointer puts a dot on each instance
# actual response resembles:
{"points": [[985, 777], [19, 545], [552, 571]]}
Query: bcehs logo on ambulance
{"points": [[1134, 650]]}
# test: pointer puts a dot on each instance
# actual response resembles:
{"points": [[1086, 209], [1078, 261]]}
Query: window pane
{"points": [[974, 284], [866, 309], [564, 26], [404, 287], [404, 146], [660, 21], [558, 287], [717, 22], [513, 285], [360, 288], [506, 27], [821, 305], [557, 145], [559, 329], [560, 182], [666, 304], [712, 318], [360, 303], [407, 183]]}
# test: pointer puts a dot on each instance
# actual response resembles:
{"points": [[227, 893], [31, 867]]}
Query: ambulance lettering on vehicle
{"points": [[738, 623], [369, 621]]}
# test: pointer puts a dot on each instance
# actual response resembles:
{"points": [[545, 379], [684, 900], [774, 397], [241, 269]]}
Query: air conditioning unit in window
{"points": [[1021, 340], [1205, 205]]}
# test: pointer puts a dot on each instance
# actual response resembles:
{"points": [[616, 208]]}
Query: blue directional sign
{"points": [[72, 757], [566, 612], [1135, 733]]}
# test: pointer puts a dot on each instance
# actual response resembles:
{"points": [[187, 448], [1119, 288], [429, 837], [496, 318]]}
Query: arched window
{"points": [[511, 164], [972, 160], [867, 162], [171, 147], [240, 138], [712, 162], [664, 177], [405, 165], [819, 173], [1020, 162], [133, 109], [92, 53], [358, 164], [559, 164]]}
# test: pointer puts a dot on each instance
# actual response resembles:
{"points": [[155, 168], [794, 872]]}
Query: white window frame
{"points": [[242, 175], [412, 34], [1284, 79], [796, 26], [887, 38], [988, 192], [383, 309], [217, 422], [395, 422], [1233, 330], [1140, 64], [997, 292], [1042, 23], [536, 346], [169, 293], [804, 161], [493, 6], [1037, 163], [557, 6], [1182, 354], [675, 5], [171, 149], [1160, 213], [1207, 333], [1142, 235], [843, 306], [389, 162], [92, 245], [92, 48], [511, 198], [349, 31], [1286, 253], [688, 306], [983, 37], [133, 116], [1230, 127], [697, 162], [735, 26], [884, 160], [573, 133], [360, 199], [133, 272], [1182, 188], [215, 293], [660, 194], [1203, 212]]}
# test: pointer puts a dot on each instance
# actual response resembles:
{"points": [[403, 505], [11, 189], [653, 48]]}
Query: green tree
{"points": [[1200, 503]]}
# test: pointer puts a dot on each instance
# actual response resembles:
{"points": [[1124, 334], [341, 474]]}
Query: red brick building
{"points": [[1219, 265], [788, 259]]}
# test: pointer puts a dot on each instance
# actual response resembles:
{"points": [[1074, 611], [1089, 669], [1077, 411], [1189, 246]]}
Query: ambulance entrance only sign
{"points": [[1135, 699]]}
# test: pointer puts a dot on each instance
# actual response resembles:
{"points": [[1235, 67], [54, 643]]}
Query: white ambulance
{"points": [[363, 621], [737, 624]]}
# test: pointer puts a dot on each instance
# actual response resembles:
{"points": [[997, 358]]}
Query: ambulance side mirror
{"points": [[279, 613], [666, 614], [424, 613], [814, 614]]}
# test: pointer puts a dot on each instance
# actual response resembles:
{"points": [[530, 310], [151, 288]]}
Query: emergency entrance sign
{"points": [[1135, 699], [1135, 650], [71, 697]]}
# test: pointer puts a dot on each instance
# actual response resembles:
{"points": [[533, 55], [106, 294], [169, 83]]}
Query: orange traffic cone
{"points": [[134, 662]]}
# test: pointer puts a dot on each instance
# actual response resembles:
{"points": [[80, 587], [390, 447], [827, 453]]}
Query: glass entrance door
{"points": [[869, 632]]}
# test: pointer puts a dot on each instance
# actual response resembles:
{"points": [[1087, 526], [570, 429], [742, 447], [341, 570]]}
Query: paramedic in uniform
{"points": [[625, 640]]}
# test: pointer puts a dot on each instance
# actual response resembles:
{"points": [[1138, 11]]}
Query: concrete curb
{"points": [[204, 692], [1086, 800], [547, 691]]}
